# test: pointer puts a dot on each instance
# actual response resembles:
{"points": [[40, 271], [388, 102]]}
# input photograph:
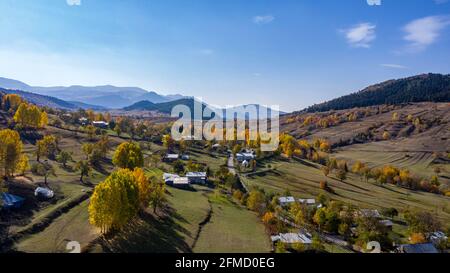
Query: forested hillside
{"points": [[421, 88]]}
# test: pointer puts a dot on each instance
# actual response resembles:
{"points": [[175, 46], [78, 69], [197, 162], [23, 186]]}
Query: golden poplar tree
{"points": [[10, 151], [115, 201]]}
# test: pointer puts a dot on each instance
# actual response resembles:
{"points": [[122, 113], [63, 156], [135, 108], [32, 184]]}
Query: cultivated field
{"points": [[303, 179]]}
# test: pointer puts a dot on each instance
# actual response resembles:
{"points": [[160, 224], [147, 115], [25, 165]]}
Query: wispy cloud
{"points": [[439, 2], [73, 2], [423, 32], [263, 19], [395, 66], [361, 35]]}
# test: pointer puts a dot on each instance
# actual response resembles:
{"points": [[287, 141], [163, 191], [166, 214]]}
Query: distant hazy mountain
{"points": [[166, 107], [421, 88], [106, 96]]}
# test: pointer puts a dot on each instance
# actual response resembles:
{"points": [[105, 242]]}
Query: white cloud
{"points": [[361, 35], [263, 19], [395, 66], [439, 2], [423, 32], [73, 2]]}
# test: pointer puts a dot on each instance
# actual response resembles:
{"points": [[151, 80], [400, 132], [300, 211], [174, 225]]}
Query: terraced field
{"points": [[421, 163], [303, 181]]}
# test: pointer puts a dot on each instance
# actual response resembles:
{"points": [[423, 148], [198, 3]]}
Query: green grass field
{"points": [[232, 229]]}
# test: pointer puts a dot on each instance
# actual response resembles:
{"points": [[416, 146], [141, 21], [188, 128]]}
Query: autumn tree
{"points": [[256, 200], [115, 201], [168, 142], [10, 102], [23, 165], [87, 149], [30, 116], [48, 146], [90, 131], [157, 195], [10, 152], [270, 221], [43, 120], [144, 187], [320, 217], [128, 155]]}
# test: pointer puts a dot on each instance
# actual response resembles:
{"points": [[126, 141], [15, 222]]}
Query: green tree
{"points": [[44, 169], [84, 169], [63, 157]]}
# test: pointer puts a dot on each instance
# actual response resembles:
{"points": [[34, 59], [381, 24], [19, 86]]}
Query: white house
{"points": [[100, 124], [286, 200], [171, 157], [169, 178], [197, 177], [181, 182], [308, 202], [244, 156]]}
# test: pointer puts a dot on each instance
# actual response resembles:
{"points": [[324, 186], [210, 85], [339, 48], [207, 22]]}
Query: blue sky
{"points": [[274, 52]]}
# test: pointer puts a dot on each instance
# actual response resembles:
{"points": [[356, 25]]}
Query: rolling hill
{"points": [[421, 88], [42, 100]]}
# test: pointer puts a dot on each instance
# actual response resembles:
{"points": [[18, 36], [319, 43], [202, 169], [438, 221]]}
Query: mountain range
{"points": [[96, 97], [420, 88]]}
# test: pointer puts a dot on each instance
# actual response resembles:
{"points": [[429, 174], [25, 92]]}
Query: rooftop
{"points": [[418, 248], [307, 201], [286, 199], [291, 238], [181, 181], [196, 174]]}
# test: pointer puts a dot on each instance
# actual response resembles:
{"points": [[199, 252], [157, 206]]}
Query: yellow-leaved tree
{"points": [[10, 151], [11, 102], [115, 201], [43, 120], [143, 184], [30, 116], [128, 155], [48, 146]]}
